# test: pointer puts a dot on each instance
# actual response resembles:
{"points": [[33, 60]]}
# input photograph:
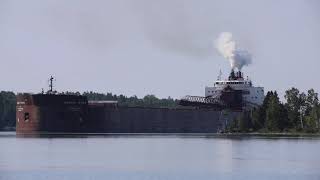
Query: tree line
{"points": [[300, 113], [7, 109], [146, 101]]}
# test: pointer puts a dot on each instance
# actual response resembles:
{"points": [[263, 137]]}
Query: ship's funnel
{"points": [[235, 75], [232, 75], [239, 74]]}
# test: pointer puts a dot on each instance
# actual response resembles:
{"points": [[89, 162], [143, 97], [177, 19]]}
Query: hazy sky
{"points": [[163, 47]]}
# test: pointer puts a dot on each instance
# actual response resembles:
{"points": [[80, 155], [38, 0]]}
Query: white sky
{"points": [[164, 47]]}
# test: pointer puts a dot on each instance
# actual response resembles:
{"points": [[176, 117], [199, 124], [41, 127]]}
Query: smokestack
{"points": [[239, 74], [229, 50], [232, 75]]}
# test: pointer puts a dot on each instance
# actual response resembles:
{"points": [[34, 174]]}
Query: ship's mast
{"points": [[51, 91], [51, 84]]}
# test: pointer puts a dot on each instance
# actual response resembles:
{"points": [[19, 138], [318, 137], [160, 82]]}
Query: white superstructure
{"points": [[251, 95]]}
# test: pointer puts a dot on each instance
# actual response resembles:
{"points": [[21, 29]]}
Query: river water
{"points": [[158, 158]]}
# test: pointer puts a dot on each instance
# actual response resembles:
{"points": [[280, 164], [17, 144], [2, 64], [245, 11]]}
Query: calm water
{"points": [[158, 157]]}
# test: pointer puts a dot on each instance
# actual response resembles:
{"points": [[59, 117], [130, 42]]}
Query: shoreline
{"points": [[271, 134], [206, 135]]}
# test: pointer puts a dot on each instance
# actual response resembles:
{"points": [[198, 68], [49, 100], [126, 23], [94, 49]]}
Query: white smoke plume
{"points": [[229, 50]]}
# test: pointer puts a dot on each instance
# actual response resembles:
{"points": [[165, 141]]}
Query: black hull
{"points": [[73, 114]]}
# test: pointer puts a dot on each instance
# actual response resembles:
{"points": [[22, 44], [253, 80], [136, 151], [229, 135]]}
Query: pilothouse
{"points": [[251, 96]]}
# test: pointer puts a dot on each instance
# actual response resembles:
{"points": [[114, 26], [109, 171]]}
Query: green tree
{"points": [[150, 101], [283, 120], [294, 102], [259, 114], [273, 113], [256, 119], [311, 121], [312, 99], [7, 109]]}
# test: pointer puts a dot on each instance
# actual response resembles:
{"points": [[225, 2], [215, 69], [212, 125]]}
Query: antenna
{"points": [[51, 91], [220, 74], [51, 84]]}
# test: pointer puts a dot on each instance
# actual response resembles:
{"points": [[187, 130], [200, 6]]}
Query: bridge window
{"points": [[26, 116]]}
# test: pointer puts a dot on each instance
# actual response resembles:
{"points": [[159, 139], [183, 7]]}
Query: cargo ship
{"points": [[52, 112]]}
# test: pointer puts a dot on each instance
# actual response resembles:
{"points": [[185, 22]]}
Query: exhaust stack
{"points": [[235, 75]]}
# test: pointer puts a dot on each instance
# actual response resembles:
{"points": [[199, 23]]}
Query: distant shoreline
{"points": [[206, 135], [271, 134], [10, 129]]}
